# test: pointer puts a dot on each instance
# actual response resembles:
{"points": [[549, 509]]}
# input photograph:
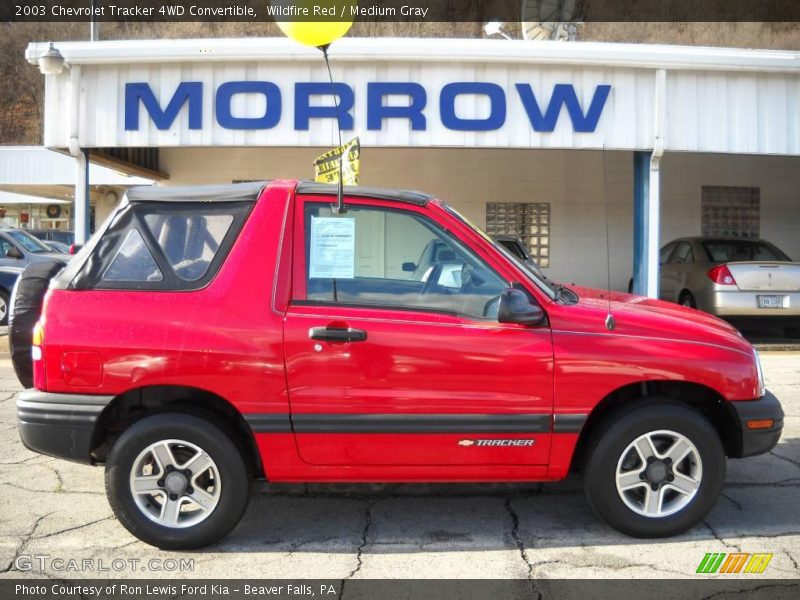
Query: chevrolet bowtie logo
{"points": [[466, 443]]}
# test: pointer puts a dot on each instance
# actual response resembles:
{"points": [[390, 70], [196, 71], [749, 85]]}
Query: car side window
{"points": [[4, 247], [133, 261], [683, 254], [393, 258], [663, 256]]}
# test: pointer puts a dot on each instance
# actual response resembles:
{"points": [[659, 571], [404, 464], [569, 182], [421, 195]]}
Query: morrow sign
{"points": [[543, 108]]}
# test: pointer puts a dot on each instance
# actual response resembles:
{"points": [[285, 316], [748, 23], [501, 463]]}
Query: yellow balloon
{"points": [[318, 33]]}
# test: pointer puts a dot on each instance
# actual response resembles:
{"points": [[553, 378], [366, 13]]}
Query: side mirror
{"points": [[409, 267], [516, 307], [13, 252]]}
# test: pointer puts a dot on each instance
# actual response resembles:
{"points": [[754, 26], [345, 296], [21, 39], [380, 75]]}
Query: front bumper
{"points": [[60, 425], [759, 441]]}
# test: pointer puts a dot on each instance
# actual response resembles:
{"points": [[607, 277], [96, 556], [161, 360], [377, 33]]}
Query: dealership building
{"points": [[555, 142]]}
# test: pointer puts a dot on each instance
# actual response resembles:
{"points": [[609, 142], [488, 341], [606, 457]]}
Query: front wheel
{"points": [[655, 470], [176, 481]]}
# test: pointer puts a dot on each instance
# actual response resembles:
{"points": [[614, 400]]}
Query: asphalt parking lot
{"points": [[57, 509]]}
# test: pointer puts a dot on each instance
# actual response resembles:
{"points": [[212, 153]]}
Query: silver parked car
{"points": [[741, 280], [18, 248]]}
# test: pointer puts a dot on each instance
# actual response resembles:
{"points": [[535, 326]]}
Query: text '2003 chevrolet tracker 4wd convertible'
{"points": [[210, 335]]}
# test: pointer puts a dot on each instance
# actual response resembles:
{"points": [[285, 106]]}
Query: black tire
{"points": [[623, 428], [217, 442], [29, 293], [687, 299], [4, 299], [630, 286]]}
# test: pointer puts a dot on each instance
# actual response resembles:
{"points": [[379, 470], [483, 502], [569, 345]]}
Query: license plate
{"points": [[773, 301]]}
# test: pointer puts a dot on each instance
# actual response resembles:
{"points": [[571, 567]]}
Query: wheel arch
{"points": [[702, 398], [133, 405]]}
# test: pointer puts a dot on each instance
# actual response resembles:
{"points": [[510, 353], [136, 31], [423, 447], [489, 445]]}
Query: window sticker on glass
{"points": [[333, 248]]}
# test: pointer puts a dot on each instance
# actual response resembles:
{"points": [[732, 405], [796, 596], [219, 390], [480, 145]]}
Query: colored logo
{"points": [[736, 562]]}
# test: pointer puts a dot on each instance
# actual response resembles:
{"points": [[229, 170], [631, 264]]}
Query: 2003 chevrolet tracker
{"points": [[207, 336]]}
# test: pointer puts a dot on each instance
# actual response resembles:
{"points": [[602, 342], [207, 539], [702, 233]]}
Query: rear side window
{"points": [[163, 246], [133, 261], [189, 242]]}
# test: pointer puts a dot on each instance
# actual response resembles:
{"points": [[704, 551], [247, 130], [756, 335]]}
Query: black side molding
{"points": [[269, 422], [569, 423], [421, 423]]}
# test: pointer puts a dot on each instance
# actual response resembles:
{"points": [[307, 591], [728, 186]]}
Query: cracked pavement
{"points": [[530, 531]]}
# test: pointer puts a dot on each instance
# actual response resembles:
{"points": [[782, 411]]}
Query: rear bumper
{"points": [[759, 441], [735, 303], [60, 425]]}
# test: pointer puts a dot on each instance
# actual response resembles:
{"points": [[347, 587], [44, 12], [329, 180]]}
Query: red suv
{"points": [[207, 336]]}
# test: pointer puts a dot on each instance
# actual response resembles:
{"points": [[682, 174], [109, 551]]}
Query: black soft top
{"points": [[330, 189], [229, 192]]}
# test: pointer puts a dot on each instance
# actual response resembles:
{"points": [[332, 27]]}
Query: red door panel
{"points": [[421, 389]]}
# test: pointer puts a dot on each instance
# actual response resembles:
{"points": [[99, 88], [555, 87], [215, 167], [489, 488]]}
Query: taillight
{"points": [[39, 381], [721, 274], [38, 334]]}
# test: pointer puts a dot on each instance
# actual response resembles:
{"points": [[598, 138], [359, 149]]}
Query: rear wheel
{"points": [[687, 299], [655, 470], [176, 481]]}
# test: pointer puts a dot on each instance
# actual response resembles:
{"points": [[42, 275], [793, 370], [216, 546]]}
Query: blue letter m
{"points": [[563, 94], [191, 91]]}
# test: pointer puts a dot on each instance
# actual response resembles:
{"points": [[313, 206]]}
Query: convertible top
{"points": [[229, 192]]}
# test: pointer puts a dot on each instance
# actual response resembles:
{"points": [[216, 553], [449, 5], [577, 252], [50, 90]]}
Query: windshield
{"points": [[542, 284], [742, 250], [513, 247], [27, 241]]}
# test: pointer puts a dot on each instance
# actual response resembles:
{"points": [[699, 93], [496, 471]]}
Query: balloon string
{"points": [[340, 192], [336, 104]]}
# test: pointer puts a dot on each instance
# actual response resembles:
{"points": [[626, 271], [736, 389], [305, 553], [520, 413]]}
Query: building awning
{"points": [[7, 198], [446, 93], [37, 172]]}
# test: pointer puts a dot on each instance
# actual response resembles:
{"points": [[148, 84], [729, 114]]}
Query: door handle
{"points": [[337, 334]]}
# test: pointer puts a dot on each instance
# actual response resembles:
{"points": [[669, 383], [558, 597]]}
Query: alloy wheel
{"points": [[175, 483], [659, 473]]}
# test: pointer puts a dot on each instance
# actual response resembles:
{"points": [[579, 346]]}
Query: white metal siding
{"points": [[717, 100], [626, 121]]}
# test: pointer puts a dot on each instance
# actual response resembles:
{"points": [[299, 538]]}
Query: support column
{"points": [[647, 199], [652, 269], [646, 223], [82, 198], [641, 192]]}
